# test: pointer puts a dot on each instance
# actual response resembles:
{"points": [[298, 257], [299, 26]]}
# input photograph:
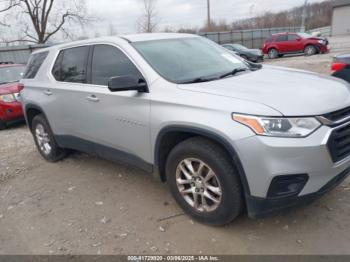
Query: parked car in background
{"points": [[341, 67], [225, 136], [253, 55], [293, 43], [10, 106]]}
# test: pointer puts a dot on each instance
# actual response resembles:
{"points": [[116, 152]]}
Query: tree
{"points": [[39, 20], [148, 22]]}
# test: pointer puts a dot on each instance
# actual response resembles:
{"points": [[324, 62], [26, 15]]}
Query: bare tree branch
{"points": [[47, 17], [148, 22]]}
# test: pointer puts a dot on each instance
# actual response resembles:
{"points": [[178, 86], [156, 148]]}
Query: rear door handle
{"points": [[92, 98], [48, 92]]}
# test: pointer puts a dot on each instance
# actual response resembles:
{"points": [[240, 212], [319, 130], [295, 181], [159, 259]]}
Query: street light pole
{"points": [[303, 17], [208, 15]]}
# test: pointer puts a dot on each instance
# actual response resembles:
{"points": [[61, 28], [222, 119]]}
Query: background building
{"points": [[341, 17]]}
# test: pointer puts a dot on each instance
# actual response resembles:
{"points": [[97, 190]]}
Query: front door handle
{"points": [[92, 98], [48, 92]]}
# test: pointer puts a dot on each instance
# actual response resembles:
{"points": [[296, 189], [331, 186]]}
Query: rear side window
{"points": [[281, 38], [109, 61], [34, 64], [70, 65]]}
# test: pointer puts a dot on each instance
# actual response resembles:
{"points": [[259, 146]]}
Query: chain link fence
{"points": [[250, 38]]}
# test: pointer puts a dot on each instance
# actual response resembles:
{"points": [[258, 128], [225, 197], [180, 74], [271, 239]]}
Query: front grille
{"points": [[339, 143], [338, 115]]}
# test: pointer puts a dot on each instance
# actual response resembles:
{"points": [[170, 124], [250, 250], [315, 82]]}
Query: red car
{"points": [[10, 106], [292, 43], [341, 67]]}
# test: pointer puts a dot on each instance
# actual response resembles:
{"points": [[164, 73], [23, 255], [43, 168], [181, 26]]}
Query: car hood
{"points": [[291, 92], [255, 51], [9, 88]]}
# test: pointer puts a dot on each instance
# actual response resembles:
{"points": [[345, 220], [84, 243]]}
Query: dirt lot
{"points": [[86, 205]]}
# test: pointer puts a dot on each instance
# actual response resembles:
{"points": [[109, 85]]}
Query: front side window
{"points": [[185, 60], [109, 61], [292, 37], [281, 38], [70, 65], [11, 74]]}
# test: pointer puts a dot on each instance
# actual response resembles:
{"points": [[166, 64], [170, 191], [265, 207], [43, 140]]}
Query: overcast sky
{"points": [[123, 14]]}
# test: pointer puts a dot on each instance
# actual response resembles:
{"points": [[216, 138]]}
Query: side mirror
{"points": [[127, 83]]}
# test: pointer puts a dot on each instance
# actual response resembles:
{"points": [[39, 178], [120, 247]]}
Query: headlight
{"points": [[322, 42], [279, 126], [8, 98]]}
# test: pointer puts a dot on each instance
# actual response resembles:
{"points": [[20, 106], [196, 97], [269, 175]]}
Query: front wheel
{"points": [[310, 50], [45, 141], [273, 53], [204, 182]]}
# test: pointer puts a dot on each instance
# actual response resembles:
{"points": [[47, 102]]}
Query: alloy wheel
{"points": [[43, 139], [198, 185]]}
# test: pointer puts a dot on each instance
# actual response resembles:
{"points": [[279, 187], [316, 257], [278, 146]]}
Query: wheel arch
{"points": [[182, 133], [31, 110]]}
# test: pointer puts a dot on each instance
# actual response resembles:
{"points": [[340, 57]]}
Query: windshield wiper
{"points": [[199, 80], [233, 72]]}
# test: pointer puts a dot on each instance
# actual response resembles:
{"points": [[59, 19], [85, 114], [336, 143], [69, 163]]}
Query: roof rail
{"points": [[6, 62]]}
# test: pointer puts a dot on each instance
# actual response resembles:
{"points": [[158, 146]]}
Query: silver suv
{"points": [[225, 134]]}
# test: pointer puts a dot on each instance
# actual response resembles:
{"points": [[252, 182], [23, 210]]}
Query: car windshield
{"points": [[239, 47], [11, 74], [186, 60], [305, 35]]}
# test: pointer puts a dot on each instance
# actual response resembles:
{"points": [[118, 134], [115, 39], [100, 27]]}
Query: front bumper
{"points": [[264, 158], [259, 207], [323, 49]]}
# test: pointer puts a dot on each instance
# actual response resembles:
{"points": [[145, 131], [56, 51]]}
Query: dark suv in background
{"points": [[341, 67], [292, 43]]}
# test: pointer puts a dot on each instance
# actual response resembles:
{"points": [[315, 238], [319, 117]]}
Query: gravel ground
{"points": [[86, 205]]}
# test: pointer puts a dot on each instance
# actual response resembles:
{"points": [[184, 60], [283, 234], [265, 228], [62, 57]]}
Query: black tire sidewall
{"points": [[2, 125], [231, 204], [56, 152]]}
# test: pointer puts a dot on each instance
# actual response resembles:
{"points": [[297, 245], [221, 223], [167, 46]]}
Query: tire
{"points": [[310, 50], [201, 150], [273, 53], [47, 145], [2, 125]]}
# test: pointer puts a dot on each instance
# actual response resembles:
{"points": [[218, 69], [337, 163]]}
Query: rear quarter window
{"points": [[34, 64]]}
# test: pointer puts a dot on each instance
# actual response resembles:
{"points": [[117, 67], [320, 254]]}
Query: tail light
{"points": [[338, 66], [20, 87]]}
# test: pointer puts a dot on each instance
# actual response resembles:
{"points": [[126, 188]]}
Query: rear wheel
{"points": [[2, 125], [273, 53], [45, 141], [310, 50], [204, 182]]}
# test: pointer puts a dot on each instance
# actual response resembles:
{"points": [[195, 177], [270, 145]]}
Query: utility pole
{"points": [[209, 20], [303, 17]]}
